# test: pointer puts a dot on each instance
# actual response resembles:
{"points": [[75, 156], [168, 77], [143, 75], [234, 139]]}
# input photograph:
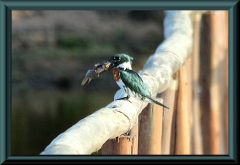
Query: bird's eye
{"points": [[117, 58]]}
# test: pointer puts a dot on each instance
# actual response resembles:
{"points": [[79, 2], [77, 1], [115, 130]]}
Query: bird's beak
{"points": [[112, 63]]}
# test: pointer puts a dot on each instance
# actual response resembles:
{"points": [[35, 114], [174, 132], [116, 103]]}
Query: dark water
{"points": [[38, 116]]}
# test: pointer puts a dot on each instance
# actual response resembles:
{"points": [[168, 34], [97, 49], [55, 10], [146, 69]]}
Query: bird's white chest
{"points": [[120, 84]]}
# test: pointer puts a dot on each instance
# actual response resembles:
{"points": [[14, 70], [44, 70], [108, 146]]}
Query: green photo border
{"points": [[6, 6]]}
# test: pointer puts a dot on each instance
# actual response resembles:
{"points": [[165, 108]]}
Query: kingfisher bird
{"points": [[129, 80]]}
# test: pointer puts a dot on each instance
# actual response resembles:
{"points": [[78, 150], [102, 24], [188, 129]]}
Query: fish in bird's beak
{"points": [[97, 70], [113, 63], [104, 66]]}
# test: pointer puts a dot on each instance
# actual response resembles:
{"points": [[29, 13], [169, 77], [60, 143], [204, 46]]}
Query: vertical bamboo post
{"points": [[205, 53], [134, 135], [174, 120], [196, 129], [183, 134], [123, 145], [221, 43], [150, 130], [144, 132], [225, 81], [156, 138], [215, 132], [168, 122], [156, 129]]}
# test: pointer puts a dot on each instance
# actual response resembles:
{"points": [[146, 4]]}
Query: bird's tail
{"points": [[156, 102]]}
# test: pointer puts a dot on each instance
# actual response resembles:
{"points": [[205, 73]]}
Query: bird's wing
{"points": [[134, 82]]}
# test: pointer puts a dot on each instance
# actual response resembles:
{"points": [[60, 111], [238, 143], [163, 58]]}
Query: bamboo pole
{"points": [[174, 124], [168, 121], [183, 121], [205, 51], [222, 77], [221, 43], [150, 130], [156, 138], [174, 118], [225, 103], [197, 147], [122, 145], [144, 134], [215, 121]]}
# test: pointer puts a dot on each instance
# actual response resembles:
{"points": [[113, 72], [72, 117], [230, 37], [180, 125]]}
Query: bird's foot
{"points": [[127, 135], [125, 98]]}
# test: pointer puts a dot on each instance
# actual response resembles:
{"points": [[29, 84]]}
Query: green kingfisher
{"points": [[129, 80]]}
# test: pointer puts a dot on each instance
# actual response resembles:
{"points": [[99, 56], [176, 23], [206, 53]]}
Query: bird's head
{"points": [[121, 61]]}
